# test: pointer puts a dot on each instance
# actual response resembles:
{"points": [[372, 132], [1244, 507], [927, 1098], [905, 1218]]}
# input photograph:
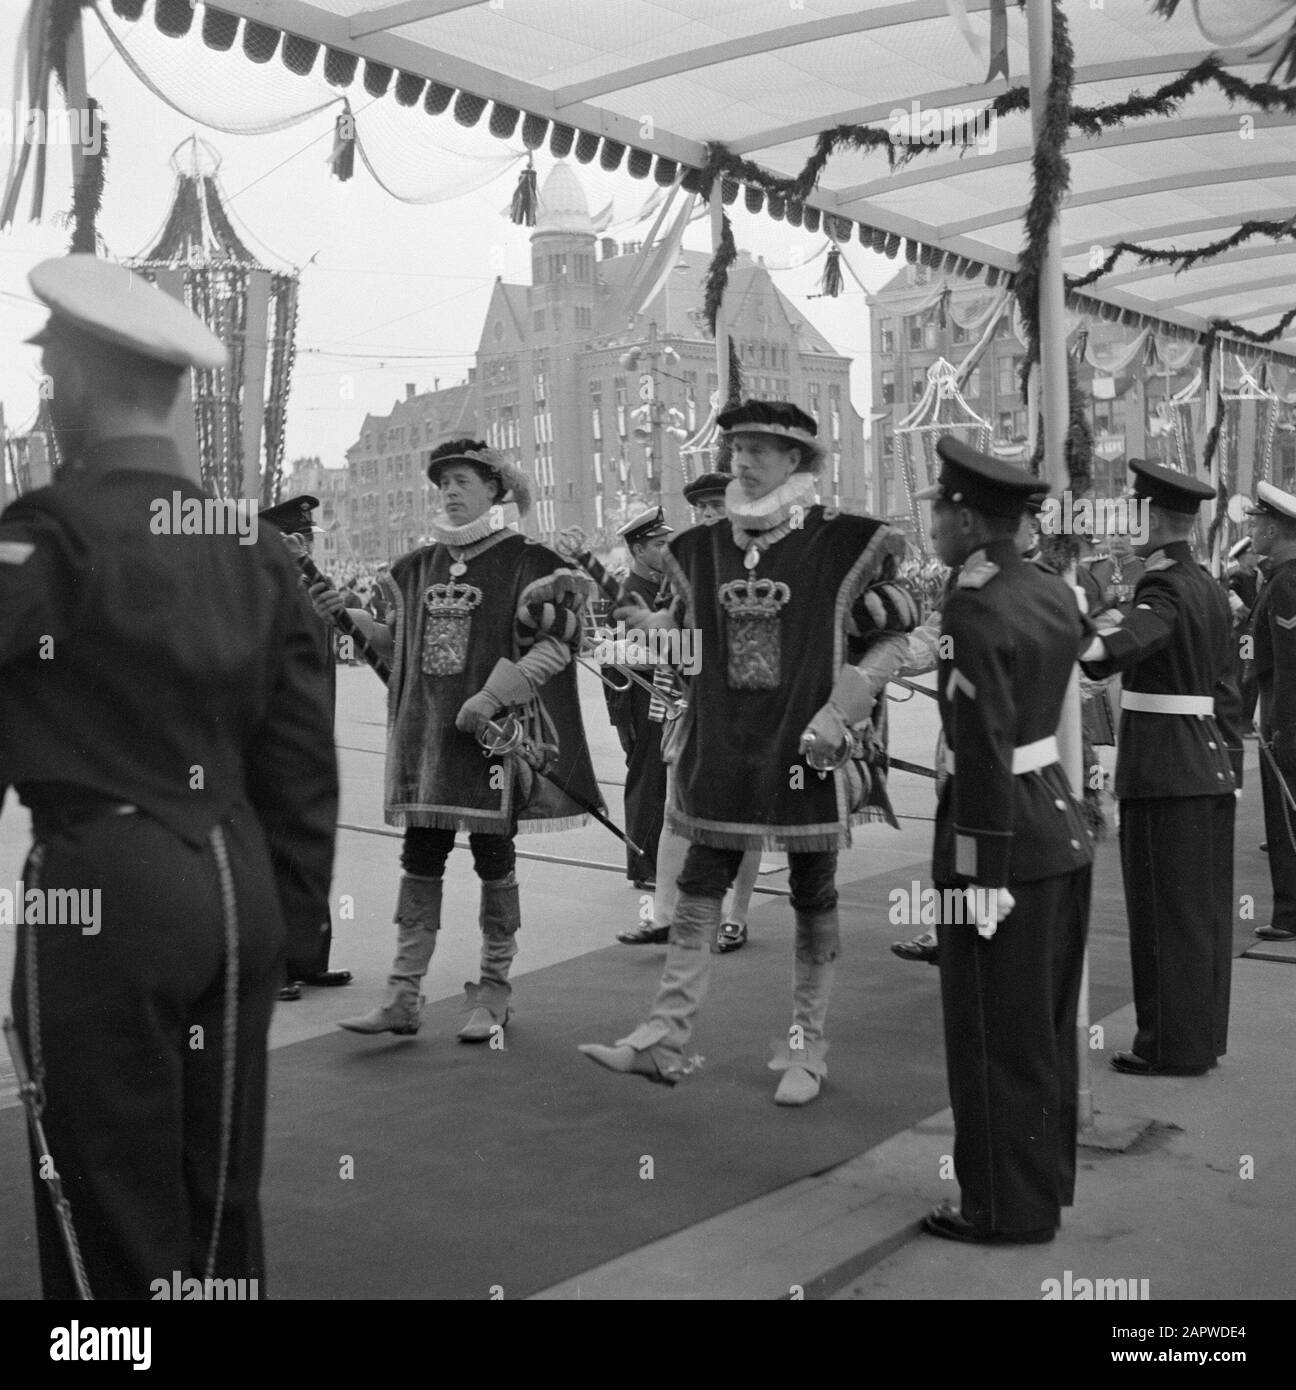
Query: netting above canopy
{"points": [[662, 87]]}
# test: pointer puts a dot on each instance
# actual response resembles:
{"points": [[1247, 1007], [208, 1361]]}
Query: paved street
{"points": [[850, 1232]]}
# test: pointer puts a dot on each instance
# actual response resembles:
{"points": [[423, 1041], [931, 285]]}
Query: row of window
{"points": [[764, 355], [1006, 379], [582, 317], [575, 266], [921, 331], [545, 516]]}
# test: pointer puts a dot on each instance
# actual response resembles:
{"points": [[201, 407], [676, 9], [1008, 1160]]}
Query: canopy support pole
{"points": [[1054, 405]]}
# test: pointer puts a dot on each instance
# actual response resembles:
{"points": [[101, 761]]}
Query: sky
{"points": [[391, 291]]}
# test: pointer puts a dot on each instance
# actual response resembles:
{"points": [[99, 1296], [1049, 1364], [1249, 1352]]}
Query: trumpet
{"points": [[671, 693]]}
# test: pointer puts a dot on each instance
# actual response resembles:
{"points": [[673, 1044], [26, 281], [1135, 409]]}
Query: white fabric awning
{"points": [[765, 77]]}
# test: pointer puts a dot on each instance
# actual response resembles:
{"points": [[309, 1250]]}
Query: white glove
{"points": [[1003, 904]]}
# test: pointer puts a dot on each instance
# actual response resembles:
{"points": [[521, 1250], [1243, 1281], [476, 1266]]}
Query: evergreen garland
{"points": [[1164, 102], [717, 276], [1050, 179], [1185, 260], [1286, 47], [87, 195]]}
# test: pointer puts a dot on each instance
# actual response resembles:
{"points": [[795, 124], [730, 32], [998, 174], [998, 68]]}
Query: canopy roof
{"points": [[765, 77]]}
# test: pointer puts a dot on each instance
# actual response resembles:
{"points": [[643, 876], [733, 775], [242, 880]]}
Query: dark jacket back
{"points": [[176, 672]]}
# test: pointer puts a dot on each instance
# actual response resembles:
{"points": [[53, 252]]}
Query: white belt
{"points": [[1030, 757], [1142, 702]]}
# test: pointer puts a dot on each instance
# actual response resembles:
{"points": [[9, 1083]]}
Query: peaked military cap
{"points": [[982, 482], [293, 515], [708, 485], [108, 302], [779, 418], [1168, 488], [1272, 501], [647, 526]]}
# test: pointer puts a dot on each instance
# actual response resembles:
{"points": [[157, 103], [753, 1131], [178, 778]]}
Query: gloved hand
{"points": [[827, 733], [1002, 904], [850, 702], [475, 712], [506, 685]]}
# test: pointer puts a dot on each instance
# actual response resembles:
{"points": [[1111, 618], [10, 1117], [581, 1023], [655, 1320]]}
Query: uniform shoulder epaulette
{"points": [[977, 576], [1161, 562]]}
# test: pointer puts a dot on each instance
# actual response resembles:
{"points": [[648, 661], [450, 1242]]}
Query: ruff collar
{"points": [[765, 513], [486, 524]]}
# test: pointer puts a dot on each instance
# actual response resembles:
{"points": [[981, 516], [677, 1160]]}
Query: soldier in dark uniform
{"points": [[1243, 582], [162, 714], [1273, 634], [1115, 575], [292, 517], [1178, 763], [630, 712], [1009, 826]]}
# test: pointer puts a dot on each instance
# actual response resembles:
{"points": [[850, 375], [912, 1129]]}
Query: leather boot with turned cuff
{"points": [[801, 1057], [655, 1049], [488, 1000], [418, 919]]}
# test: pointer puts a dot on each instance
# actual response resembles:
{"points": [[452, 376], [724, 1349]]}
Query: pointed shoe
{"points": [[797, 1087], [623, 1058]]}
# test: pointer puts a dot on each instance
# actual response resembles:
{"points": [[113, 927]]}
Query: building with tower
{"points": [[593, 390]]}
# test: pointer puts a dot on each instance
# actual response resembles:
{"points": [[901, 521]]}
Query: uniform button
{"points": [[1210, 745], [1060, 804], [1075, 844]]}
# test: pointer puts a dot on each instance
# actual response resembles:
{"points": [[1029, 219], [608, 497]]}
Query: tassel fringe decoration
{"points": [[342, 160], [831, 283], [525, 198]]}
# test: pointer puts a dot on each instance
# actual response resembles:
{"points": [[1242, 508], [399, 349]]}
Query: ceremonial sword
{"points": [[501, 735]]}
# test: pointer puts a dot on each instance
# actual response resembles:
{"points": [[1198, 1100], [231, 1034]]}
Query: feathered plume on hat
{"points": [[779, 418], [490, 463]]}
